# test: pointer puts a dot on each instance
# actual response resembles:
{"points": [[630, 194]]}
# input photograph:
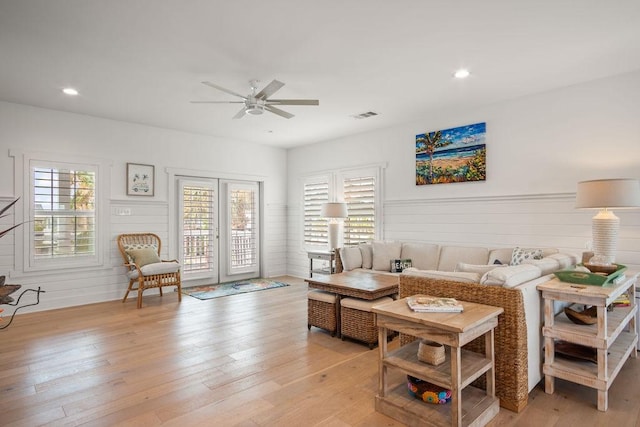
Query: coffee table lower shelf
{"points": [[477, 408]]}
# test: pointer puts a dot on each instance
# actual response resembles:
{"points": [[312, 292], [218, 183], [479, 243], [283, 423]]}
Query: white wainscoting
{"points": [[543, 220]]}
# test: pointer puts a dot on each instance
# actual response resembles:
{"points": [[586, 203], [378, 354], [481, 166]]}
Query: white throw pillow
{"points": [[565, 260], [383, 253], [351, 258], [521, 254], [367, 255], [444, 275], [476, 268], [423, 256], [511, 276]]}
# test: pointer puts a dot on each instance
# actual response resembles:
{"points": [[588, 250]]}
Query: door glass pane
{"points": [[244, 226], [198, 228]]}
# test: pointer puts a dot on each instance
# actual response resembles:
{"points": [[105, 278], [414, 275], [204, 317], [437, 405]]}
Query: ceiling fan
{"points": [[257, 103]]}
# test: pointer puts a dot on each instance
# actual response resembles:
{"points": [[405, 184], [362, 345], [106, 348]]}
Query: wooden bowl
{"points": [[598, 268]]}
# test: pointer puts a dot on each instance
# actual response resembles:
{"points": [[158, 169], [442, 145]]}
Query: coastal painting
{"points": [[451, 155]]}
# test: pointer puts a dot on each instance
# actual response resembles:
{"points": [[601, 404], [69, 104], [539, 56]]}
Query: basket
{"points": [[431, 352]]}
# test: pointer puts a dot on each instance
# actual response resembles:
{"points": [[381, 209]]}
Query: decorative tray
{"points": [[586, 278]]}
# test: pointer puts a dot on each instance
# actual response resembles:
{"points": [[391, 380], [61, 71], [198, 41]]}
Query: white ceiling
{"points": [[142, 61]]}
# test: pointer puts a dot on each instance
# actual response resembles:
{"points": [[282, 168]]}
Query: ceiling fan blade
{"points": [[240, 114], [269, 89], [293, 102], [278, 111], [230, 92], [216, 102]]}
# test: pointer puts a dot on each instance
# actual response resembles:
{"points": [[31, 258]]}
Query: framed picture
{"points": [[140, 179], [452, 155]]}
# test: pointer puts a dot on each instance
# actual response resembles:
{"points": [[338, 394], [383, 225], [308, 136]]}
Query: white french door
{"points": [[218, 232]]}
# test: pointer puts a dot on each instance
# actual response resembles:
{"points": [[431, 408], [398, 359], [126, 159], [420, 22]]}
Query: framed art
{"points": [[140, 179], [452, 155]]}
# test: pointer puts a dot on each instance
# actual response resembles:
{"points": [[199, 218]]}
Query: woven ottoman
{"points": [[322, 310], [358, 322]]}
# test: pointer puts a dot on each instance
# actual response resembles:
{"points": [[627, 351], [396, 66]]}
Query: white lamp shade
{"points": [[608, 193], [334, 210]]}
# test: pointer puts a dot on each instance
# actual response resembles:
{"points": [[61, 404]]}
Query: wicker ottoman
{"points": [[322, 310], [358, 322]]}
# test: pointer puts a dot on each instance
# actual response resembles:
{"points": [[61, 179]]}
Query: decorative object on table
{"points": [[451, 155], [588, 316], [334, 212], [581, 277], [601, 268], [427, 304], [398, 265], [431, 352], [605, 194], [140, 179], [427, 392], [231, 288]]}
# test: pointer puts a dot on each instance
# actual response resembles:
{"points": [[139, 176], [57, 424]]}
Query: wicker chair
{"points": [[141, 255]]}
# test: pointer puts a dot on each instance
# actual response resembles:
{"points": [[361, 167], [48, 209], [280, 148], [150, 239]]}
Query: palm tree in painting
{"points": [[428, 143]]}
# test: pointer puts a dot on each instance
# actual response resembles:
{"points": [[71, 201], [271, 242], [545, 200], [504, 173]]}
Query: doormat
{"points": [[231, 288]]}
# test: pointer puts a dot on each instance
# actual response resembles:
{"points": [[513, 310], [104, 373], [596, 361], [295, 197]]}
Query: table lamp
{"points": [[333, 211], [605, 194]]}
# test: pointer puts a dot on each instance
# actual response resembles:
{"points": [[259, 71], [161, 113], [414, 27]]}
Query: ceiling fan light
{"points": [[461, 74], [256, 110]]}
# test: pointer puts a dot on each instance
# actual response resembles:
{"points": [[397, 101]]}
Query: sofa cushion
{"points": [[367, 255], [510, 276], [450, 256], [423, 256], [521, 254], [444, 275], [383, 253], [547, 264], [351, 258], [565, 260], [476, 268]]}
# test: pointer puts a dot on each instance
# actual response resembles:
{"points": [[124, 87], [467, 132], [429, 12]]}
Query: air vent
{"points": [[365, 115]]}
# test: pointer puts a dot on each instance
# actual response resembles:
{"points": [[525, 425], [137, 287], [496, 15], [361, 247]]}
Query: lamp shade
{"points": [[334, 210], [608, 193]]}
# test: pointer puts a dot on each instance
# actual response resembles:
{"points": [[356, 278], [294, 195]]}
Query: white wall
{"points": [[538, 148], [33, 129]]}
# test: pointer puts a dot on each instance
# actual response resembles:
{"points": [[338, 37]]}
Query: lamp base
{"points": [[335, 234], [604, 227]]}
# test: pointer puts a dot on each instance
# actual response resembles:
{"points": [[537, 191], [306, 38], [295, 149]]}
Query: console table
{"points": [[329, 256]]}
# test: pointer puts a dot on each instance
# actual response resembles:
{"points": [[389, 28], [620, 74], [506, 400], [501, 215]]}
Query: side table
{"points": [[614, 336], [328, 256], [469, 405]]}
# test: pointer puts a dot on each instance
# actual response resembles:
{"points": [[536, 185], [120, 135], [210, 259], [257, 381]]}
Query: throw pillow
{"points": [[367, 255], [351, 258], [511, 276], [383, 253], [144, 256], [521, 254]]}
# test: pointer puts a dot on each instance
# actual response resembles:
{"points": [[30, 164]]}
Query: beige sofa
{"points": [[481, 275]]}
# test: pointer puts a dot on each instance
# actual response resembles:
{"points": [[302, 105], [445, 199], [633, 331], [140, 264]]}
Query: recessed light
{"points": [[461, 74], [70, 91]]}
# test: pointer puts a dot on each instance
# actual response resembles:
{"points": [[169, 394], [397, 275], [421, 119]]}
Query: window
{"points": [[64, 216], [359, 189]]}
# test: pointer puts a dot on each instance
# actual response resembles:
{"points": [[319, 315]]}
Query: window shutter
{"points": [[197, 227], [359, 194], [315, 227], [243, 203]]}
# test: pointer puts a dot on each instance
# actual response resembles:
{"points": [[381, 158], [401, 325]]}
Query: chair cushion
{"points": [[423, 256], [144, 256], [367, 255], [444, 275], [476, 268], [450, 256], [155, 268], [511, 276]]}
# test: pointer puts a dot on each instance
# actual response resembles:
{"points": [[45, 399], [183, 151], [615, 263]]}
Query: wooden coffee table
{"points": [[356, 284]]}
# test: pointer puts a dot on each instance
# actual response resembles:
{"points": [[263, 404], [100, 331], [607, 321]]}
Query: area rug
{"points": [[231, 288]]}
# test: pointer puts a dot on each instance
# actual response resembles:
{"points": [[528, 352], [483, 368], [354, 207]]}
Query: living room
{"points": [[540, 143]]}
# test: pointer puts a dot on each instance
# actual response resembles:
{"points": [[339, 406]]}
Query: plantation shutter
{"points": [[64, 212], [360, 196], [198, 227], [243, 204], [315, 227]]}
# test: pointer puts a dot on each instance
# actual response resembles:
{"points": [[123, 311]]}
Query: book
{"points": [[425, 304]]}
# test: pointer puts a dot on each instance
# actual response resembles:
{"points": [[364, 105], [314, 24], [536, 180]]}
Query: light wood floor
{"points": [[245, 360]]}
